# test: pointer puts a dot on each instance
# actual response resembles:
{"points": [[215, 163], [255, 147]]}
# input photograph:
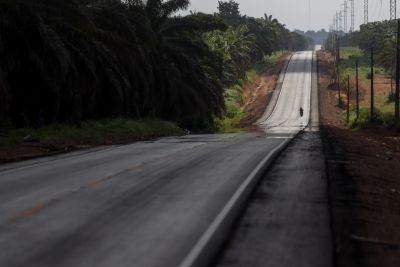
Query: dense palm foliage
{"points": [[248, 40], [271, 35], [78, 59], [235, 49], [74, 60]]}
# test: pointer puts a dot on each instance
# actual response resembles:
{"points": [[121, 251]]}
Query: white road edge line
{"points": [[214, 236], [281, 80]]}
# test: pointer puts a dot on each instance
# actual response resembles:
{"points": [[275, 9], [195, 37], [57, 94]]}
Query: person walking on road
{"points": [[301, 112]]}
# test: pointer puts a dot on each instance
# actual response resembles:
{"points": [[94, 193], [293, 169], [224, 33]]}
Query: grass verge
{"points": [[97, 132], [380, 119]]}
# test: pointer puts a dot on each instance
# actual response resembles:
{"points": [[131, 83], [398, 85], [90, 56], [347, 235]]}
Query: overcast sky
{"points": [[295, 14]]}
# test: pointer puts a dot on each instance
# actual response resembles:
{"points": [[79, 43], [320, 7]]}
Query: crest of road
{"points": [[172, 202]]}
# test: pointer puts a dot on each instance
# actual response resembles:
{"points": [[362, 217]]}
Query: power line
{"points": [[344, 19]]}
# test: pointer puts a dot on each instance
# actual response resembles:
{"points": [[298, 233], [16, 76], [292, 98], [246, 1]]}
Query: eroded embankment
{"points": [[257, 94]]}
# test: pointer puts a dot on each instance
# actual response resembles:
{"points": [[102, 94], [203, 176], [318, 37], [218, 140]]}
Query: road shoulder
{"points": [[287, 222], [363, 168]]}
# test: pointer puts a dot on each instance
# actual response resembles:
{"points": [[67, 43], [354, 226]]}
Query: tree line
{"points": [[74, 60], [378, 43], [318, 37], [380, 35]]}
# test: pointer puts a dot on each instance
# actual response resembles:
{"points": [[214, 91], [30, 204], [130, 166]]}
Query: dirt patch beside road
{"points": [[364, 176], [257, 94]]}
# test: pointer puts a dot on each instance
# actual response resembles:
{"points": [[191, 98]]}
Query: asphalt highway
{"points": [[146, 204], [287, 221], [295, 95]]}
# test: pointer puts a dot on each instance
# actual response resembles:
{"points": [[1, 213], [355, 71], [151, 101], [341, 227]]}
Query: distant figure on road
{"points": [[301, 112]]}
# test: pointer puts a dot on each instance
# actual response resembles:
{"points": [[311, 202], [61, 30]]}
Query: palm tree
{"points": [[69, 61], [84, 59]]}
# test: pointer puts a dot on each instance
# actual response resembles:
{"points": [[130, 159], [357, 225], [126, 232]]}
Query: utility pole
{"points": [[317, 58], [309, 15], [365, 11], [357, 93], [334, 23], [391, 78], [338, 69], [372, 85], [348, 99], [397, 97], [393, 9], [341, 20], [337, 22], [345, 15], [352, 16], [393, 16]]}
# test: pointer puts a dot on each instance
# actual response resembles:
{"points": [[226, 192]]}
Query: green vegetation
{"points": [[233, 96], [351, 52], [384, 105], [318, 37], [364, 121], [378, 35], [348, 58], [233, 103], [347, 67], [270, 60], [228, 124], [76, 61], [91, 132]]}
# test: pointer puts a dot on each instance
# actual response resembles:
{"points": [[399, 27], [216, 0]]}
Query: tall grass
{"points": [[364, 121]]}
